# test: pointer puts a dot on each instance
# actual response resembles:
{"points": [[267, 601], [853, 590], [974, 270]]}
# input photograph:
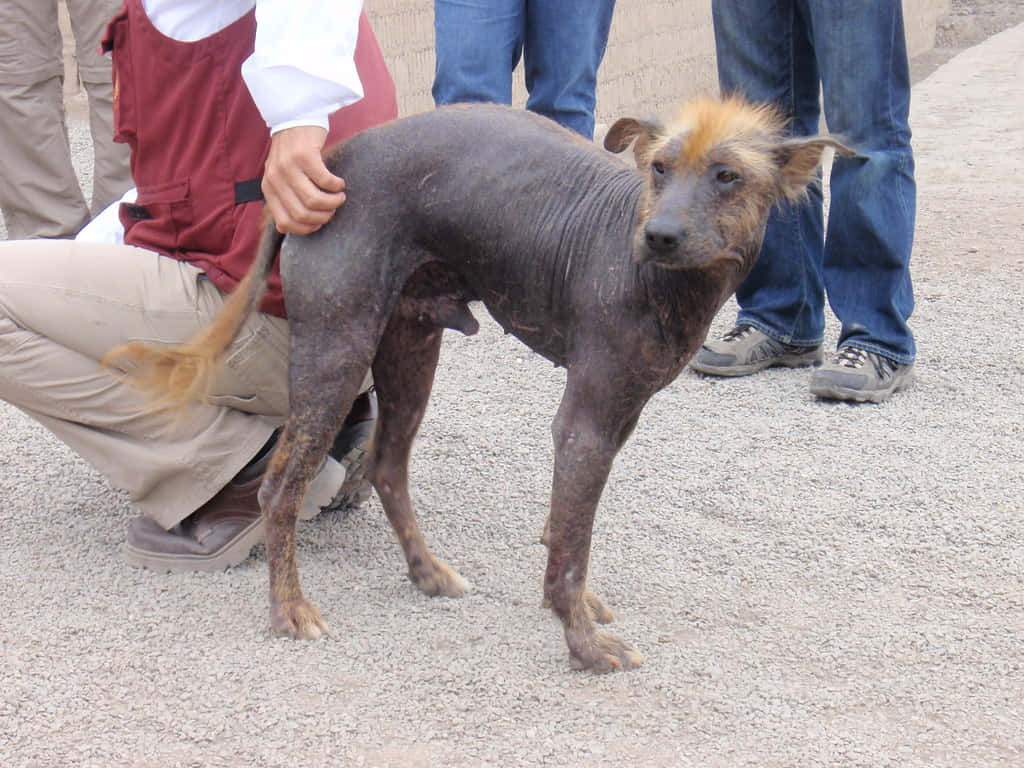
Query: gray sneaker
{"points": [[858, 375], [745, 350]]}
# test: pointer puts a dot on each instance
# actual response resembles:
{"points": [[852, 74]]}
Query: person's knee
{"points": [[476, 50], [467, 72]]}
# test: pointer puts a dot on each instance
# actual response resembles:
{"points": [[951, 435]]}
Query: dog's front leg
{"points": [[588, 431], [598, 611]]}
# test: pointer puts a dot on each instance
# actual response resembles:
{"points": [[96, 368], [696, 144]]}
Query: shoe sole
{"points": [[827, 391], [803, 360], [234, 553]]}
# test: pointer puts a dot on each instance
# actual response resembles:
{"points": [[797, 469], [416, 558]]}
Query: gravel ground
{"points": [[812, 584]]}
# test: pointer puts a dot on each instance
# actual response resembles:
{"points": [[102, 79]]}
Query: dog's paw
{"points": [[438, 579], [601, 652], [297, 618]]}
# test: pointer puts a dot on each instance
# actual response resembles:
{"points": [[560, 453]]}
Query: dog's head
{"points": [[713, 176]]}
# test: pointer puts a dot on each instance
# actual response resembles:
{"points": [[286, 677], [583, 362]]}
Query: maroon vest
{"points": [[198, 142]]}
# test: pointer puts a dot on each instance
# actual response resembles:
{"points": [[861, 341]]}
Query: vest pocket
{"points": [[165, 218], [152, 220]]}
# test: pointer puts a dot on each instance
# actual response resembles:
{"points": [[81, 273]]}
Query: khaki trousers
{"points": [[40, 195], [64, 304]]}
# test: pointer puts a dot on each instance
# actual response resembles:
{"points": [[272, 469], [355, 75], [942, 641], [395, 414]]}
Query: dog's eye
{"points": [[658, 167], [726, 176]]}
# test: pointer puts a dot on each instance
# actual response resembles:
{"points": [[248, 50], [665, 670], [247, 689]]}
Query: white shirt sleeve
{"points": [[301, 71], [303, 68]]}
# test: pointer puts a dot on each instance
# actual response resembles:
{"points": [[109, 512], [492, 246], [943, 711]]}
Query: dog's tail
{"points": [[177, 376]]}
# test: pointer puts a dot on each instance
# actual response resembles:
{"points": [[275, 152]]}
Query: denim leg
{"points": [[764, 52], [563, 48], [477, 44], [863, 60]]}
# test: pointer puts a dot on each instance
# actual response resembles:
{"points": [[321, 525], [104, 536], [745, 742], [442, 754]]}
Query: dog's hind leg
{"points": [[403, 372], [325, 376], [291, 469]]}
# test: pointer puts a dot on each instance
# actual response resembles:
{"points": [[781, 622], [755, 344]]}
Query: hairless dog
{"points": [[612, 272]]}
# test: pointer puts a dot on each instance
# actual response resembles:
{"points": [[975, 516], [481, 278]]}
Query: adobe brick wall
{"points": [[659, 53]]}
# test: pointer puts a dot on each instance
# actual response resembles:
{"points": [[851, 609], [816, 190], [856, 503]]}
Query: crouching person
{"points": [[196, 87]]}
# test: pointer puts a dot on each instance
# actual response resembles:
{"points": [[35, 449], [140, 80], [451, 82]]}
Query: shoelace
{"points": [[738, 332], [851, 357]]}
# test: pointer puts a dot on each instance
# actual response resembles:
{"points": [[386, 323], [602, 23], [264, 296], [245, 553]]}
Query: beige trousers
{"points": [[64, 304], [40, 195]]}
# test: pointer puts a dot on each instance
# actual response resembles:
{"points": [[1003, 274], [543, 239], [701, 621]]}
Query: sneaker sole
{"points": [[828, 391], [357, 488], [326, 486], [234, 553], [803, 360]]}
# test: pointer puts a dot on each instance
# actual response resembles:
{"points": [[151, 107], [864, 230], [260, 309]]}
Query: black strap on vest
{"points": [[248, 191], [137, 212], [245, 192]]}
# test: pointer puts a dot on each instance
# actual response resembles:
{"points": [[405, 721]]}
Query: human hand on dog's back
{"points": [[300, 193]]}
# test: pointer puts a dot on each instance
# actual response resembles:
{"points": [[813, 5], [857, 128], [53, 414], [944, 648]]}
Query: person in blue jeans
{"points": [[780, 51], [479, 42]]}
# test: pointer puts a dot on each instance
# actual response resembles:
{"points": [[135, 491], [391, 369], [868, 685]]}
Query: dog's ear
{"points": [[798, 158], [626, 129]]}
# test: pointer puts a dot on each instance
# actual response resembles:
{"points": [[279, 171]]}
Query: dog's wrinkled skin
{"points": [[611, 272]]}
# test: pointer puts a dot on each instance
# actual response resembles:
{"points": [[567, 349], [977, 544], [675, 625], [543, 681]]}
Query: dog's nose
{"points": [[663, 239]]}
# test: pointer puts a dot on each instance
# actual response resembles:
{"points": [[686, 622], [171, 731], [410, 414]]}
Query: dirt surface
{"points": [[812, 584], [968, 23], [947, 180]]}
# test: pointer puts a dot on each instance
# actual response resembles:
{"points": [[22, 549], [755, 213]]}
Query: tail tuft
{"points": [[178, 376]]}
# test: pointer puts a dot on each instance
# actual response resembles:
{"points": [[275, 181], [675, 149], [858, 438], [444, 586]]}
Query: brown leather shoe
{"points": [[218, 535], [222, 532]]}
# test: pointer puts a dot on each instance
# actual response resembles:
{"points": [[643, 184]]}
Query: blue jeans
{"points": [[779, 51], [479, 42]]}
